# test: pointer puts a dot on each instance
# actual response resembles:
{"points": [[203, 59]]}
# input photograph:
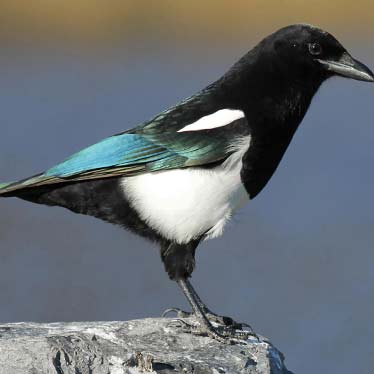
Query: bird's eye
{"points": [[315, 49]]}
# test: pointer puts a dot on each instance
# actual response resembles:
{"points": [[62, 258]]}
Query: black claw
{"points": [[230, 332], [228, 327], [167, 311], [228, 321], [223, 334], [199, 330], [179, 313], [182, 324]]}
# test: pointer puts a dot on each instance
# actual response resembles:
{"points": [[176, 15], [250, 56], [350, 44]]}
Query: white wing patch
{"points": [[220, 118]]}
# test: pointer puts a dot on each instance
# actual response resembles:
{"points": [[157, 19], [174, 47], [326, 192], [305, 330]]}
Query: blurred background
{"points": [[297, 262]]}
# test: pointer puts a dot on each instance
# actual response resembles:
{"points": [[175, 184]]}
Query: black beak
{"points": [[348, 67]]}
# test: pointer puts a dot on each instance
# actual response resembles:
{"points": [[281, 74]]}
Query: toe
{"points": [[178, 313]]}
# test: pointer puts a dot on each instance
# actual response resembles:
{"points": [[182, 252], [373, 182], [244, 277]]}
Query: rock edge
{"points": [[152, 345]]}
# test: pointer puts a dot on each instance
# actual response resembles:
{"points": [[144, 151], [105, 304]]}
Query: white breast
{"points": [[183, 204]]}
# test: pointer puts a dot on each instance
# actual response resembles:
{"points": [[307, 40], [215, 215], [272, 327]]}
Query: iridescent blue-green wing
{"points": [[153, 146], [138, 152]]}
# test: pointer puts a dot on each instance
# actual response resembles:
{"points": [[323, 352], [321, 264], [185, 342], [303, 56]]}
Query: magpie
{"points": [[178, 178]]}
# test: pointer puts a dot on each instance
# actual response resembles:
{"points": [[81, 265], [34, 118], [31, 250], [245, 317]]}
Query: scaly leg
{"points": [[206, 326], [212, 317], [179, 261], [222, 333]]}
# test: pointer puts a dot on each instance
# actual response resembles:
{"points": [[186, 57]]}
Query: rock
{"points": [[141, 346]]}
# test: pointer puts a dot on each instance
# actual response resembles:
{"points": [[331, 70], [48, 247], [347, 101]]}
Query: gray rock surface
{"points": [[133, 347]]}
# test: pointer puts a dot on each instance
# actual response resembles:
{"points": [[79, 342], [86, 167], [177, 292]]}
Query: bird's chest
{"points": [[185, 204]]}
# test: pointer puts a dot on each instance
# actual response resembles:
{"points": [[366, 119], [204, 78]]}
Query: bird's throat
{"points": [[273, 121]]}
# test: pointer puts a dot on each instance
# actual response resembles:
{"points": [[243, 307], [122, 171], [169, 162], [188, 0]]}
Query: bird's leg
{"points": [[212, 317], [179, 261], [223, 332], [223, 320], [207, 327]]}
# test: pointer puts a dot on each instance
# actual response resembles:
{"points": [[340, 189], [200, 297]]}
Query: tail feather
{"points": [[4, 188], [7, 189], [44, 180], [3, 185]]}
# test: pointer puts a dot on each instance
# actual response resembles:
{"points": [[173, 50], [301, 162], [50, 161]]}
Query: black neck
{"points": [[274, 106]]}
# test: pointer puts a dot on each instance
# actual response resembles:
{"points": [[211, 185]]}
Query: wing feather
{"points": [[143, 149]]}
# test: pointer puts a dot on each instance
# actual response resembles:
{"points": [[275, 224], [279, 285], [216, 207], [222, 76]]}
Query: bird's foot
{"points": [[223, 334], [199, 330], [179, 313], [213, 317]]}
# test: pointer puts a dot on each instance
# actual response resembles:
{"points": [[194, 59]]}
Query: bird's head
{"points": [[306, 51]]}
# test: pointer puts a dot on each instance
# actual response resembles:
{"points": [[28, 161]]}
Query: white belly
{"points": [[184, 204]]}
